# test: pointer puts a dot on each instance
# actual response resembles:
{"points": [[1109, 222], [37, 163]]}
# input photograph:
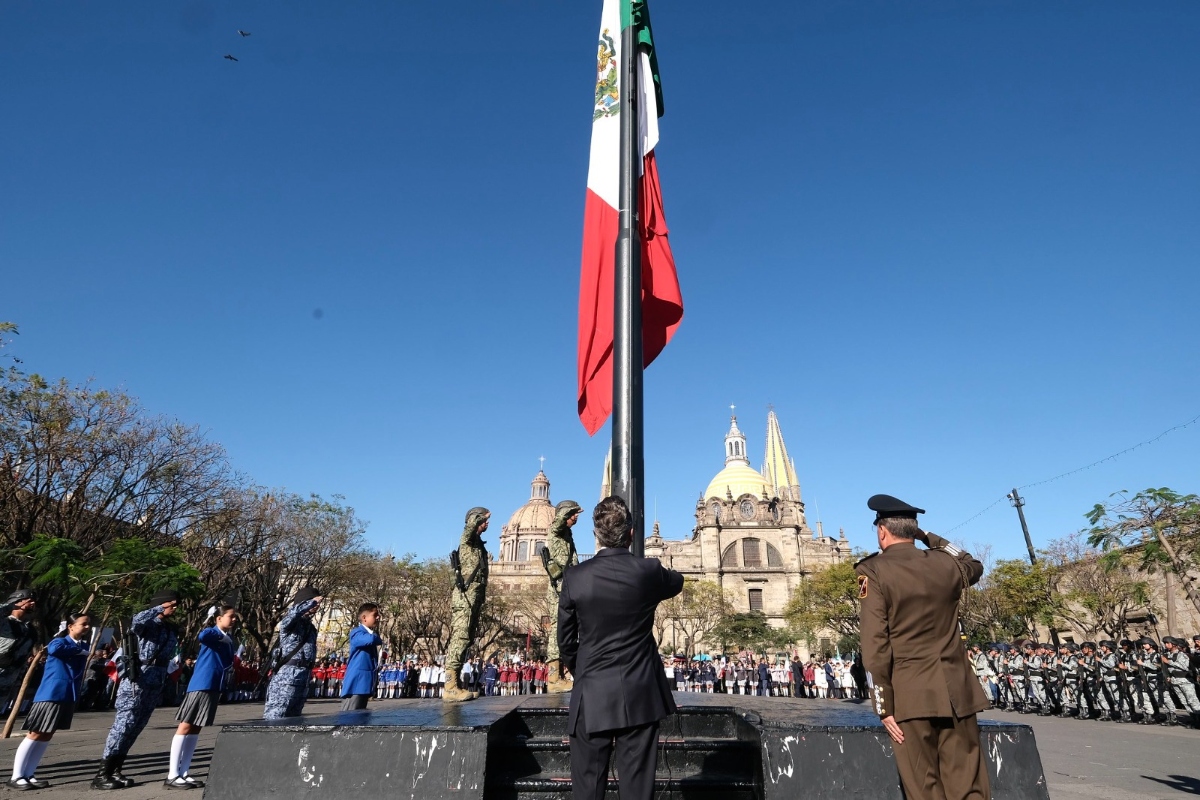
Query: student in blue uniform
{"points": [[199, 707], [54, 704], [359, 683]]}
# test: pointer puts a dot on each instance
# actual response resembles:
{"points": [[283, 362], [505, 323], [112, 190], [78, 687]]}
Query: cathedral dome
{"points": [[739, 479], [538, 513]]}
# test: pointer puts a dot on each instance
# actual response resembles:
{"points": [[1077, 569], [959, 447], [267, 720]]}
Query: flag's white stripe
{"points": [[604, 165]]}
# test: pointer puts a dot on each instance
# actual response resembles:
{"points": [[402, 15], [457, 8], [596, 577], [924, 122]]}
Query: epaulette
{"points": [[866, 558]]}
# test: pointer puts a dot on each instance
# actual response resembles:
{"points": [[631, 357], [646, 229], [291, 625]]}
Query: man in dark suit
{"points": [[605, 622]]}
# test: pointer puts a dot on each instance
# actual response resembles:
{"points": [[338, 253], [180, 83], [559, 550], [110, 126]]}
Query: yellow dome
{"points": [[740, 478]]}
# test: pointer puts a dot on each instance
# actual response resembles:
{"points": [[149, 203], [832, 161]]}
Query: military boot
{"points": [[105, 779], [453, 694], [556, 679]]}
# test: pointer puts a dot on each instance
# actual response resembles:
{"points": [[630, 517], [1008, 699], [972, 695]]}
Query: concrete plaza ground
{"points": [[1096, 760]]}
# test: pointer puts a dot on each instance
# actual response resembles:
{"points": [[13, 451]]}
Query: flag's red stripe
{"points": [[662, 303]]}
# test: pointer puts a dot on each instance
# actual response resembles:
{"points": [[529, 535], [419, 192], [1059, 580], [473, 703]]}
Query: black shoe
{"points": [[177, 783], [125, 782], [195, 783], [20, 784], [38, 783]]}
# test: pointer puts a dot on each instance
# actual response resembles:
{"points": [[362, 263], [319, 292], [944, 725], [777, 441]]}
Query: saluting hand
{"points": [[893, 729]]}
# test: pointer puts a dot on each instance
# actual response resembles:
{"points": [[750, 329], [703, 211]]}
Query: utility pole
{"points": [[1018, 502]]}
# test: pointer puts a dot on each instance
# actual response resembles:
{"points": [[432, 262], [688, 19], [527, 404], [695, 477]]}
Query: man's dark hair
{"points": [[901, 527], [611, 522], [365, 607]]}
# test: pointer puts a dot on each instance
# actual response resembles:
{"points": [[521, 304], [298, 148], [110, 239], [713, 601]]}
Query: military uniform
{"points": [[911, 646], [17, 638], [138, 697], [1016, 671], [466, 602], [560, 554], [1036, 667], [297, 647], [1178, 668], [1148, 675]]}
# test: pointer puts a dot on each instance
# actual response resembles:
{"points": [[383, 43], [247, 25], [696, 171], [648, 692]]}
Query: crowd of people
{"points": [[1143, 680], [819, 677]]}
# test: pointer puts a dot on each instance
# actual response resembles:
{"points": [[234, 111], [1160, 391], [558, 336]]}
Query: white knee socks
{"points": [[182, 749], [189, 750], [29, 755]]}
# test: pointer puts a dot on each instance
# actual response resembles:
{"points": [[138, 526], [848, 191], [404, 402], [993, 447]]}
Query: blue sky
{"points": [[955, 244]]}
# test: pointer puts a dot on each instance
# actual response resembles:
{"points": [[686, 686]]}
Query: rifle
{"points": [[456, 564], [546, 566], [131, 657], [1164, 691]]}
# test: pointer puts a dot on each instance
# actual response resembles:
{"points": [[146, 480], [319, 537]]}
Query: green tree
{"points": [[1093, 592], [691, 615], [1163, 524], [826, 602], [750, 630]]}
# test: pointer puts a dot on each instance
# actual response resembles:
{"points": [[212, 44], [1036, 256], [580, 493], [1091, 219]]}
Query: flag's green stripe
{"points": [[639, 12]]}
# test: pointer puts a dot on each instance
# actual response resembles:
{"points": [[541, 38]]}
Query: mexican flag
{"points": [[662, 304]]}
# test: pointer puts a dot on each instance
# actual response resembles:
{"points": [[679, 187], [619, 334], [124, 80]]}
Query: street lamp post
{"points": [[1018, 502]]}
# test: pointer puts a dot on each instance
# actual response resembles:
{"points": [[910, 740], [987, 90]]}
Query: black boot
{"points": [[104, 778], [118, 762]]}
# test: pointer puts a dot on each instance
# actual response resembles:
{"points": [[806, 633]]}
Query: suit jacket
{"points": [[908, 600], [605, 638], [359, 675]]}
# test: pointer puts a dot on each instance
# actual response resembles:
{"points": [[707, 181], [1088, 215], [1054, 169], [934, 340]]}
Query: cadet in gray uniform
{"points": [[17, 638], [141, 687], [1147, 669], [1016, 673], [1069, 666], [297, 652], [1036, 667], [1111, 677], [1177, 663]]}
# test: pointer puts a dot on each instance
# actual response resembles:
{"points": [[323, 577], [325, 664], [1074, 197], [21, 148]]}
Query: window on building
{"points": [[773, 557], [751, 553], [729, 557], [523, 551], [825, 647], [538, 547], [756, 600]]}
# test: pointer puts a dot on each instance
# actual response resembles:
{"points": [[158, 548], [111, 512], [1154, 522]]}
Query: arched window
{"points": [[538, 547], [523, 551], [773, 557], [751, 553], [729, 557]]}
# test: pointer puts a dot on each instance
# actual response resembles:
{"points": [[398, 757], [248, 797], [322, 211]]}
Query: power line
{"points": [[1127, 450]]}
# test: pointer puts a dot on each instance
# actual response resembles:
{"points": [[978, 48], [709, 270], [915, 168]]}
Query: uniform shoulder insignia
{"points": [[866, 558], [862, 586]]}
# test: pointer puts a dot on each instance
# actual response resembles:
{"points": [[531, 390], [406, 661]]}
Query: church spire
{"points": [[778, 468], [735, 442]]}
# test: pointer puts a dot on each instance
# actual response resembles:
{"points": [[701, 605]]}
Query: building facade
{"points": [[750, 536]]}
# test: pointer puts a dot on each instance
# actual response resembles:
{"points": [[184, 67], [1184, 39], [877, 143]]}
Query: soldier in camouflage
{"points": [[466, 601], [559, 555], [1111, 677], [294, 657], [139, 694]]}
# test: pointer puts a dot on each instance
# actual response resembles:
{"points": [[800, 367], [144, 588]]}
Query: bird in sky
{"points": [[244, 33], [231, 58]]}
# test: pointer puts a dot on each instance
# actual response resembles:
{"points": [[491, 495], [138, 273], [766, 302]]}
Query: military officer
{"points": [[142, 687], [924, 691], [294, 657], [470, 562], [559, 554], [17, 638], [1179, 674]]}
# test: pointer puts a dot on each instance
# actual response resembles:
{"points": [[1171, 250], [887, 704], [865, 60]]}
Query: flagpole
{"points": [[628, 467]]}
